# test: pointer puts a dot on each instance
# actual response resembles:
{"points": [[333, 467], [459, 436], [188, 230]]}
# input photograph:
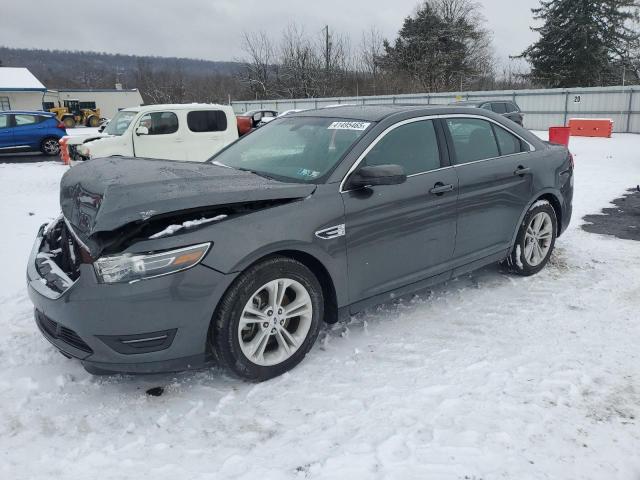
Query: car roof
{"points": [[377, 113], [257, 110], [481, 102], [29, 112], [371, 113], [176, 106]]}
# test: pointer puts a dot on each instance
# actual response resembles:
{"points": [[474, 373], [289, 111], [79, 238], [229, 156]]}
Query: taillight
{"points": [[571, 162], [61, 126]]}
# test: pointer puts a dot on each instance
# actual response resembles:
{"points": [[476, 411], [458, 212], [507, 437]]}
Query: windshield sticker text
{"points": [[349, 126]]}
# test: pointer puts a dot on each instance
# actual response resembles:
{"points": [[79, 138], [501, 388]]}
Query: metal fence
{"points": [[542, 108]]}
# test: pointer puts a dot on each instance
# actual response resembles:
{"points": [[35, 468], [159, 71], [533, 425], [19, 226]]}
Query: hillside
{"points": [[76, 69]]}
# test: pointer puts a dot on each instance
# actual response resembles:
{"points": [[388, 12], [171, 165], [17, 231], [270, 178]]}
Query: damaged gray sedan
{"points": [[159, 266]]}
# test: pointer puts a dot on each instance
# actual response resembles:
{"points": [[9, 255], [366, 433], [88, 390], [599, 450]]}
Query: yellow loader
{"points": [[72, 115]]}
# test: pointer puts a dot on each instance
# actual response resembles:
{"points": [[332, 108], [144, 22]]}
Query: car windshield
{"points": [[299, 149], [119, 124]]}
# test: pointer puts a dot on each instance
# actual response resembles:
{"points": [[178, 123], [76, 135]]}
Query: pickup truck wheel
{"points": [[50, 146], [536, 240], [268, 319]]}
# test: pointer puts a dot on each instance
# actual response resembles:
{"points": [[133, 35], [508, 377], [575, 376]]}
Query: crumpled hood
{"points": [[103, 195], [86, 138]]}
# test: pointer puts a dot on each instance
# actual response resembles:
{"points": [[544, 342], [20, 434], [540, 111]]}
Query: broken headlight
{"points": [[83, 150], [130, 267]]}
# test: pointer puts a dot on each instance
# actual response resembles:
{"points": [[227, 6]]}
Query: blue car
{"points": [[22, 131]]}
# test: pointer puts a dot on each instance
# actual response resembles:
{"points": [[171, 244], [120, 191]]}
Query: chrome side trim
{"points": [[150, 339], [332, 232], [356, 164], [464, 115], [15, 147]]}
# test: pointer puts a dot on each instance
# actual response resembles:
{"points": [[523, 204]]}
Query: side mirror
{"points": [[142, 131], [378, 175]]}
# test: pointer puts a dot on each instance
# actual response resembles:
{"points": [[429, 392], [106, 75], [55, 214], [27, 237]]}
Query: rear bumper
{"points": [[156, 325]]}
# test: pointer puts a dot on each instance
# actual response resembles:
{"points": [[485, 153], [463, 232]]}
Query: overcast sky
{"points": [[211, 29]]}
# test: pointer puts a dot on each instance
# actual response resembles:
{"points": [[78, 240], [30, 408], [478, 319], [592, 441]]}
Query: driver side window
{"points": [[160, 123], [413, 146]]}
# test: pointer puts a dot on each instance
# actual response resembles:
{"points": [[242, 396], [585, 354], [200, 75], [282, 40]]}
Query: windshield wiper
{"points": [[260, 174]]}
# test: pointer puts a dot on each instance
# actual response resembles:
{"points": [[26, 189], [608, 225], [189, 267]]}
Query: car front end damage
{"points": [[120, 280], [114, 318]]}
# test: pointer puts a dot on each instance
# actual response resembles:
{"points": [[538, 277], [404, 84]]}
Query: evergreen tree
{"points": [[582, 42], [441, 47]]}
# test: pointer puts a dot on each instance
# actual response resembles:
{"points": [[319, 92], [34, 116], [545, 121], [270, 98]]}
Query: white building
{"points": [[21, 90], [108, 100]]}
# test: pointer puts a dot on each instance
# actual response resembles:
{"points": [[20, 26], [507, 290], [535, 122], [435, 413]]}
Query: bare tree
{"points": [[369, 57], [258, 75]]}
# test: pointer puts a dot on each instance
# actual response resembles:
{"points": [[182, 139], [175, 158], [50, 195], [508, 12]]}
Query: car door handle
{"points": [[440, 189], [522, 171]]}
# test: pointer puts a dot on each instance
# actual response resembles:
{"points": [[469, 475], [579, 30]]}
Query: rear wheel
{"points": [[536, 240], [50, 146], [69, 121], [268, 320]]}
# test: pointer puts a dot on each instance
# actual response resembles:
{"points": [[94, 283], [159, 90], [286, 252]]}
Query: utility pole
{"points": [[327, 48]]}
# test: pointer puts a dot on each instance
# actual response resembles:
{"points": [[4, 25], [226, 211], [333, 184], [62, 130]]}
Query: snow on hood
{"points": [[103, 195]]}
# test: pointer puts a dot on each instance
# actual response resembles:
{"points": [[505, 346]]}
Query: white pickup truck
{"points": [[190, 132]]}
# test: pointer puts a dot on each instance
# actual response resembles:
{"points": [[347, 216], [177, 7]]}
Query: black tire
{"points": [[517, 262], [93, 121], [69, 121], [50, 146], [223, 334]]}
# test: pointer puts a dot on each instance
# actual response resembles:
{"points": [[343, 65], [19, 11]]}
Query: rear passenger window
{"points": [[473, 140], [414, 146], [4, 121], [25, 120], [509, 144], [207, 121], [160, 123], [499, 107], [511, 107]]}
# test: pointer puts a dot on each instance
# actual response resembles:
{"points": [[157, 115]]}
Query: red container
{"points": [[591, 127], [560, 135], [245, 124]]}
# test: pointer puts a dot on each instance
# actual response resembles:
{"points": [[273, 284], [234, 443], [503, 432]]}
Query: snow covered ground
{"points": [[490, 376]]}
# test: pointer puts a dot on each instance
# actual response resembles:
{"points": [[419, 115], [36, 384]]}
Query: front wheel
{"points": [[536, 240], [268, 319], [50, 146]]}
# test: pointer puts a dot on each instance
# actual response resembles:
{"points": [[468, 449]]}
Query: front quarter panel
{"points": [[110, 146], [241, 241]]}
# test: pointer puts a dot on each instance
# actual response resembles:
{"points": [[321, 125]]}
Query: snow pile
{"points": [[490, 376], [171, 229]]}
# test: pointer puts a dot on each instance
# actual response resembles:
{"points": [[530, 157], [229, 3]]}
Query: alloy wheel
{"points": [[537, 240], [275, 322], [51, 147]]}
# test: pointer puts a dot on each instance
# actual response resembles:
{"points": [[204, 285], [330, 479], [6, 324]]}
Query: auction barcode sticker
{"points": [[349, 125]]}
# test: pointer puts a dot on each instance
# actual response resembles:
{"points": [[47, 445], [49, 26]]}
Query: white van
{"points": [[192, 132]]}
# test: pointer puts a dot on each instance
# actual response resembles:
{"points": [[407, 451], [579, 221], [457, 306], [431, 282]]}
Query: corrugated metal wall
{"points": [[542, 108]]}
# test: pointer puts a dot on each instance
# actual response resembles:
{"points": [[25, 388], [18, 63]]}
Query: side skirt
{"points": [[345, 312]]}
